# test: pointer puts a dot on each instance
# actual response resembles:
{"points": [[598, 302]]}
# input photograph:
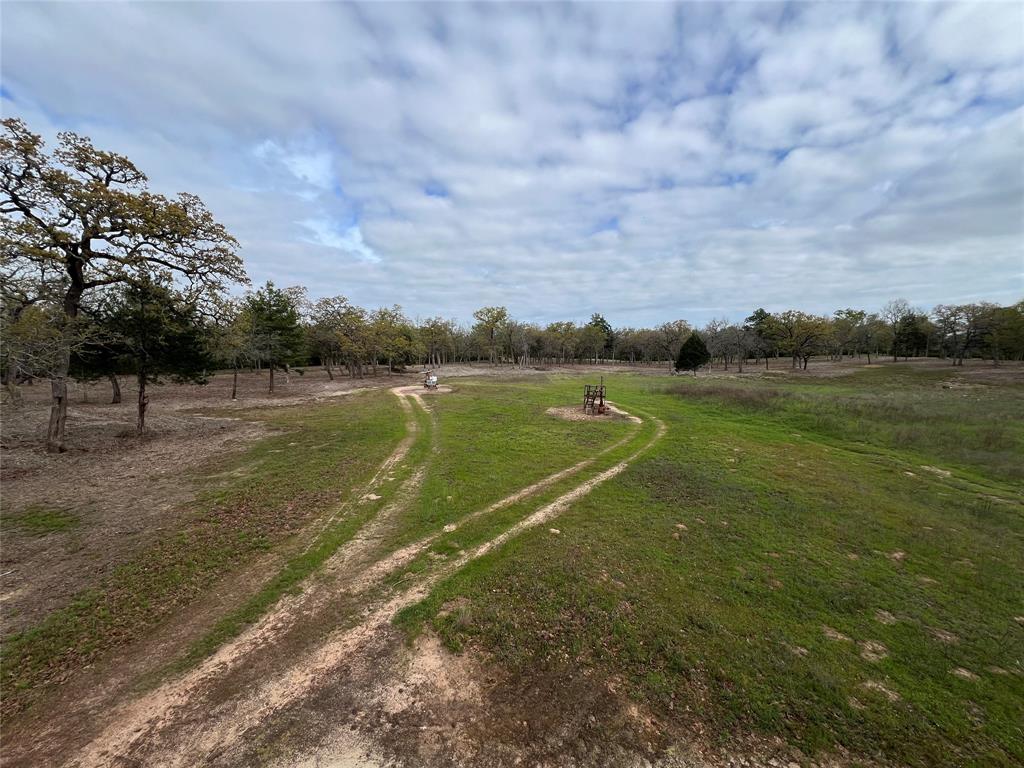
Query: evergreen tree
{"points": [[100, 357], [150, 330], [598, 321], [911, 334], [277, 337], [693, 354]]}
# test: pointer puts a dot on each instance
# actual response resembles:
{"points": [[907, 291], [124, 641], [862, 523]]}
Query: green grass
{"points": [[801, 524], [974, 426], [41, 521], [494, 439], [253, 503], [489, 443], [804, 504]]}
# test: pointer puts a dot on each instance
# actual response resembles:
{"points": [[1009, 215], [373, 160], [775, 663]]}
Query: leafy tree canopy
{"points": [[693, 354]]}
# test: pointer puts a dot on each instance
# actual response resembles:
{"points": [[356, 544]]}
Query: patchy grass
{"points": [[301, 565], [255, 501], [756, 397], [761, 572], [41, 521], [939, 415], [494, 439], [833, 563]]}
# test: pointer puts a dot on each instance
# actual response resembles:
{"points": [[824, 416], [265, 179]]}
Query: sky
{"points": [[642, 160]]}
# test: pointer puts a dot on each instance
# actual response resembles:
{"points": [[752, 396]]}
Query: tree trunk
{"points": [[11, 384], [330, 373], [115, 387], [143, 402], [59, 403], [271, 376], [234, 383], [59, 382], [58, 415]]}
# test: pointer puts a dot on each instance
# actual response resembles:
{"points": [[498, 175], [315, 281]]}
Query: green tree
{"points": [[869, 335], [34, 341], [846, 325], [761, 330], [598, 321], [84, 216], [489, 323], [155, 332], [1004, 337], [560, 340], [692, 354], [395, 338], [438, 338], [911, 336], [326, 318], [97, 358], [670, 338], [277, 338], [231, 338], [799, 334], [592, 341]]}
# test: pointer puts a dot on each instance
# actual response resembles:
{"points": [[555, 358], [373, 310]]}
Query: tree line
{"points": [[102, 278]]}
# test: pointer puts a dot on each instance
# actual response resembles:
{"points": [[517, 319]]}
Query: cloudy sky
{"points": [[647, 161]]}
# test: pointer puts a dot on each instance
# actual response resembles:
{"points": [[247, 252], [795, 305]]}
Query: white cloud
{"points": [[814, 155], [348, 239], [314, 168]]}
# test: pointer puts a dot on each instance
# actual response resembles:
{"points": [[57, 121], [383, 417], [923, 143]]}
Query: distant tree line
{"points": [[103, 279], [147, 330]]}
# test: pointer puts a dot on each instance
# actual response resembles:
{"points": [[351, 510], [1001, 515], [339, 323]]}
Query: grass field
{"points": [[831, 564], [837, 563]]}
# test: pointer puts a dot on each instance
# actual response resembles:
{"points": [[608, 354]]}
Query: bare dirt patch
{"points": [[123, 491], [872, 650], [418, 390], [881, 688], [576, 413], [964, 674], [943, 636], [835, 634]]}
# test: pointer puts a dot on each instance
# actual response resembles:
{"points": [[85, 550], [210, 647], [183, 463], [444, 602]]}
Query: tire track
{"points": [[177, 726], [291, 608], [404, 555], [388, 465]]}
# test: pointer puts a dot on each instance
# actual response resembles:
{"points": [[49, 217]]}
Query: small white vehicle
{"points": [[430, 381]]}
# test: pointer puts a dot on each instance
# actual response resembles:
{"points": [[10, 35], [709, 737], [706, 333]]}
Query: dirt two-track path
{"points": [[321, 679]]}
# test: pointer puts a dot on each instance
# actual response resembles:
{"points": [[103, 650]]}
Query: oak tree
{"points": [[85, 217]]}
